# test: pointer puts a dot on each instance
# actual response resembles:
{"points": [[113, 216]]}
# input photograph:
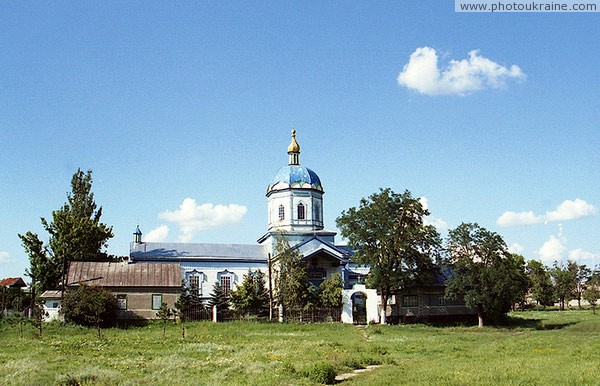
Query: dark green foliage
{"points": [[44, 268], [591, 294], [541, 289], [291, 282], [76, 234], [320, 372], [90, 306], [37, 315], [565, 282], [330, 292], [388, 234], [251, 297], [490, 279], [164, 313], [186, 301], [218, 297]]}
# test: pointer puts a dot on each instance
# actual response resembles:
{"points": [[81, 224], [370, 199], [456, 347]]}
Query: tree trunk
{"points": [[480, 315], [384, 299]]}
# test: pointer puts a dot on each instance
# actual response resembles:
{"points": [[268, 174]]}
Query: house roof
{"points": [[12, 282], [197, 251], [106, 274], [317, 245], [52, 294]]}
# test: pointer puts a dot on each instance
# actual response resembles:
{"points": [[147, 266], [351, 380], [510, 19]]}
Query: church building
{"points": [[295, 212]]}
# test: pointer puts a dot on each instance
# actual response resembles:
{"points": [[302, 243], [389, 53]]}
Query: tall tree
{"points": [[44, 269], [565, 281], [389, 235], [291, 280], [251, 296], [218, 297], [75, 233], [489, 278], [581, 277], [541, 289], [592, 292]]}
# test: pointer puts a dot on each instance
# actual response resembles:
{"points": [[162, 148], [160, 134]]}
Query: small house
{"points": [[140, 288], [52, 302]]}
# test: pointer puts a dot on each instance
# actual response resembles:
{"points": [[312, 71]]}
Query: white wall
{"points": [[51, 310], [372, 304]]}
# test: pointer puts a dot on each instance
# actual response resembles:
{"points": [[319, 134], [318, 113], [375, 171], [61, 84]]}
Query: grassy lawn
{"points": [[538, 348]]}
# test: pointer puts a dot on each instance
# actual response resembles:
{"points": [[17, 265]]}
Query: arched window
{"points": [[281, 213], [301, 211], [195, 280]]}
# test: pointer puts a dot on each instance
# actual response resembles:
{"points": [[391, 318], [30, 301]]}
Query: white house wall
{"points": [[211, 271]]}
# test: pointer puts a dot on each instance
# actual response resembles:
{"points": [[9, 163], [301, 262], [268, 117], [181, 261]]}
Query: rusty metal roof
{"points": [[12, 282], [106, 274]]}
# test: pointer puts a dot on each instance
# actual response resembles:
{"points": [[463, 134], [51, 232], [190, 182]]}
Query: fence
{"points": [[310, 315], [314, 315]]}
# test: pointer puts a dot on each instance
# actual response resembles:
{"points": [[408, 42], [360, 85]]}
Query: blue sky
{"points": [[183, 111]]}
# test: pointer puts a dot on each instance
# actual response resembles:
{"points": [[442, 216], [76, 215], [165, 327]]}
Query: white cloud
{"points": [[460, 77], [438, 223], [509, 218], [193, 218], [584, 257], [516, 248], [568, 210], [552, 250], [157, 235], [4, 257]]}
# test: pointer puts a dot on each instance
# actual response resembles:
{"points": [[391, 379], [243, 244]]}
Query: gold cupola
{"points": [[294, 150]]}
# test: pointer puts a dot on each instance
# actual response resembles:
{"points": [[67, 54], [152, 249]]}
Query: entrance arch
{"points": [[359, 308]]}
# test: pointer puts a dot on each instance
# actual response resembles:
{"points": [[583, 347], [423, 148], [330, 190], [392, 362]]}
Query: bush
{"points": [[321, 372], [90, 306]]}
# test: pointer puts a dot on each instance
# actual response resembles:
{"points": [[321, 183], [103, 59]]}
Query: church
{"points": [[295, 212]]}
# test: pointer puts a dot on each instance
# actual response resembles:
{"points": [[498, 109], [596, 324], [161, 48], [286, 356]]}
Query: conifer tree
{"points": [[75, 234]]}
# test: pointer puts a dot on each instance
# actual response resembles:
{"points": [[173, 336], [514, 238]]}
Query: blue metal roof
{"points": [[295, 176], [200, 251]]}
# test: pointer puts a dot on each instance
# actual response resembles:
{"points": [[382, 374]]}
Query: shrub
{"points": [[320, 372], [90, 306]]}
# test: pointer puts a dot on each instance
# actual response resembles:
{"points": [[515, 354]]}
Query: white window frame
{"points": [[156, 296]]}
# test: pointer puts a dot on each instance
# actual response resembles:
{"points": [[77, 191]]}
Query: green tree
{"points": [[75, 234], [38, 314], [489, 278], [291, 280], [219, 298], [592, 292], [581, 277], [330, 291], [90, 306], [565, 281], [185, 302], [251, 296], [542, 289], [164, 313], [388, 234]]}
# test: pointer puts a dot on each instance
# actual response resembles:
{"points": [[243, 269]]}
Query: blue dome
{"points": [[295, 176]]}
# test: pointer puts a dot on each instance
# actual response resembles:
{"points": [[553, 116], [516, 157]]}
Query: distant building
{"points": [[140, 288], [52, 303], [295, 212]]}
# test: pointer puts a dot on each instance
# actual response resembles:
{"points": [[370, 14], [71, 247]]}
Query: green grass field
{"points": [[538, 348]]}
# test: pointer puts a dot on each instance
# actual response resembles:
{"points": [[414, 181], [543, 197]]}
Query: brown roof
{"points": [[12, 282], [124, 274]]}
